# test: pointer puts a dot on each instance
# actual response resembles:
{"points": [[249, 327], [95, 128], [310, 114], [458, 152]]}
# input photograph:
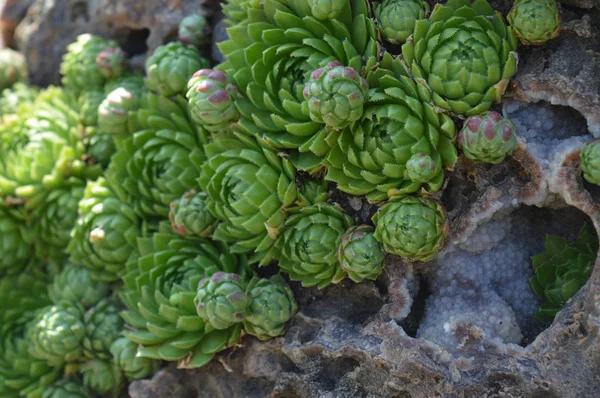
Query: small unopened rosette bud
{"points": [[360, 254], [413, 227], [590, 162], [212, 100], [327, 9], [194, 29], [111, 62], [397, 18], [535, 21], [222, 300], [190, 215], [422, 168], [487, 138], [272, 306], [335, 95]]}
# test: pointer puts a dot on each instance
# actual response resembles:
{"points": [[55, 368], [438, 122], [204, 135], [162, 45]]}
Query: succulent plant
{"points": [[360, 255], [272, 69], [313, 191], [160, 161], [113, 112], [306, 248], [396, 18], [335, 95], [101, 377], [18, 95], [194, 29], [20, 373], [111, 62], [327, 9], [171, 66], [16, 239], [159, 293], [100, 147], [104, 238], [75, 284], [248, 187], [413, 227], [222, 300], [561, 270], [56, 333], [590, 162], [211, 98], [89, 101], [78, 68], [66, 388], [535, 21], [124, 353], [190, 215], [272, 305], [487, 138], [55, 213], [463, 75], [372, 157], [45, 148], [13, 68], [103, 325]]}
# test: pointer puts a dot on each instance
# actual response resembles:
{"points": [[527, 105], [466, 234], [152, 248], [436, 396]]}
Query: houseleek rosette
{"points": [[535, 21], [56, 333], [78, 68], [160, 161], [89, 101], [590, 162], [104, 237], [360, 254], [16, 239], [124, 354], [171, 66], [306, 248], [21, 373], [66, 388], [13, 68], [19, 95], [270, 56], [44, 148], [487, 138], [102, 377], [190, 215], [272, 305], [55, 215], [103, 325], [123, 96], [397, 18], [248, 187], [111, 62], [327, 9], [194, 29], [222, 300], [413, 227], [561, 270], [159, 292], [398, 125], [75, 284], [464, 55]]}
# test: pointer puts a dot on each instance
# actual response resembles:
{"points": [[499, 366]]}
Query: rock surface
{"points": [[360, 340]]}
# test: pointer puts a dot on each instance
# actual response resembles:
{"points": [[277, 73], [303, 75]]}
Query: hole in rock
{"points": [[332, 371], [133, 41], [411, 323], [543, 123], [354, 303], [79, 12], [481, 290]]}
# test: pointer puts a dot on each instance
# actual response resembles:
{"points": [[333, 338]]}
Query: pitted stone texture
{"points": [[564, 71], [50, 26]]}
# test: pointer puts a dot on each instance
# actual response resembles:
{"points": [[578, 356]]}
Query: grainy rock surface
{"points": [[460, 326]]}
